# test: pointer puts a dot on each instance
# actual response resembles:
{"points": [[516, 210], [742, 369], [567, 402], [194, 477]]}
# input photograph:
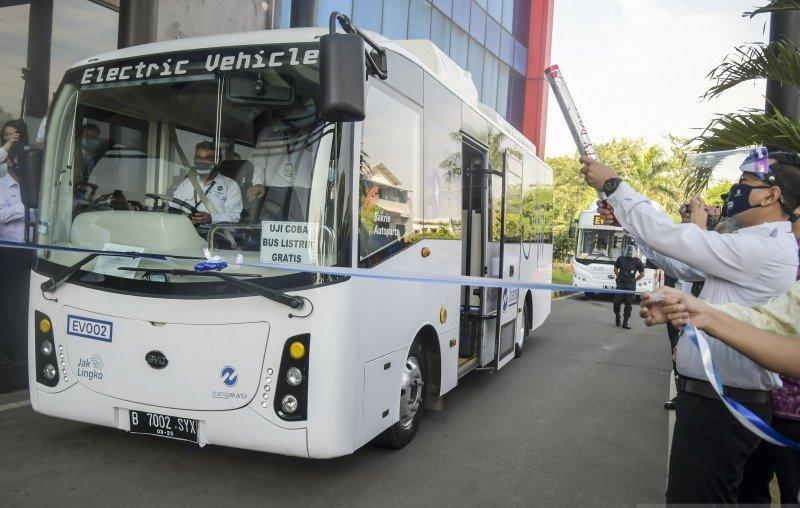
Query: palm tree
{"points": [[778, 61], [651, 174]]}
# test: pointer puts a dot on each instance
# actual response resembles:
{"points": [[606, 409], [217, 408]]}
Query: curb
{"points": [[561, 294]]}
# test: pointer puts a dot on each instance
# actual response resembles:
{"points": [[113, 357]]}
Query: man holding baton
{"points": [[758, 262]]}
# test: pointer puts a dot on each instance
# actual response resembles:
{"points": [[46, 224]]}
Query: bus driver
{"points": [[218, 191]]}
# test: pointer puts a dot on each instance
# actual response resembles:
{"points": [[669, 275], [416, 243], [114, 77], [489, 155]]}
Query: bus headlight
{"points": [[297, 350], [50, 371], [45, 351], [290, 390], [45, 325], [289, 403], [46, 348], [293, 376]]}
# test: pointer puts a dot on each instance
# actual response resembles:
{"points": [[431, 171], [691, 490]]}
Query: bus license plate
{"points": [[172, 427]]}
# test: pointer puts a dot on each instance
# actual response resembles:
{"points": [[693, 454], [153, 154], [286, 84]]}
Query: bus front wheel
{"points": [[412, 400]]}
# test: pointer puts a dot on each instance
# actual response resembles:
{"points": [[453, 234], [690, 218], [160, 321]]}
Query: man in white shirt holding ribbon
{"points": [[758, 262]]}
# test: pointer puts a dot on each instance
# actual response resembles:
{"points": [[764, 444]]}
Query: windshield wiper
{"points": [[60, 278], [276, 296]]}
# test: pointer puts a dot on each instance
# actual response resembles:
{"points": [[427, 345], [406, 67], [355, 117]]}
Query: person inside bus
{"points": [[599, 249], [218, 191], [282, 175], [11, 135], [91, 150], [750, 267], [628, 269]]}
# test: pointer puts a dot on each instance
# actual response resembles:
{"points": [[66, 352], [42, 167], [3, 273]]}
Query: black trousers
{"points": [[709, 450], [768, 459], [627, 300], [15, 267]]}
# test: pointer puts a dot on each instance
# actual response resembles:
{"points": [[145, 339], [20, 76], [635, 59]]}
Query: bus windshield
{"points": [[600, 245], [218, 149]]}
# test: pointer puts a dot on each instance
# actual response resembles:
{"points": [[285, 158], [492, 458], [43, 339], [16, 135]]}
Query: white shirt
{"points": [[223, 194], [274, 166], [12, 211], [3, 162], [748, 267]]}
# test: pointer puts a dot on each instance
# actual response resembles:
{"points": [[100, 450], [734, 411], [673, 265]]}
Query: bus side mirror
{"points": [[30, 176], [573, 229], [342, 76]]}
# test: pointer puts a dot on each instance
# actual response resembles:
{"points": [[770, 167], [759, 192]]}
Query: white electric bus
{"points": [[597, 248], [279, 360]]}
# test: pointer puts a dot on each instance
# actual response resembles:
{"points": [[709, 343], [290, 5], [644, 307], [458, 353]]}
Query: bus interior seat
{"points": [[241, 171]]}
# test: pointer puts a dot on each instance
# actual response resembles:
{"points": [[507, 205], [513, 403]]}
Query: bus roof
{"points": [[421, 52]]}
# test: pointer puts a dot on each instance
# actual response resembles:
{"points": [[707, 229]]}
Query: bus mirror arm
{"points": [[376, 58]]}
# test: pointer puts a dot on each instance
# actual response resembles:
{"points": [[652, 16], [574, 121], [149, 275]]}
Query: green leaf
{"points": [[775, 6], [738, 130], [778, 61]]}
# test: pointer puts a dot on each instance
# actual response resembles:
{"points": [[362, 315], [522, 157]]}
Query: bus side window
{"points": [[390, 176]]}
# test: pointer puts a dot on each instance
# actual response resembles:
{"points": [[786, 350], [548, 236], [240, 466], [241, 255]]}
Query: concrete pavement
{"points": [[578, 419]]}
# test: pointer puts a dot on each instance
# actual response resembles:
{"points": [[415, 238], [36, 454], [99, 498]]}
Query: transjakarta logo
{"points": [[213, 62], [229, 376]]}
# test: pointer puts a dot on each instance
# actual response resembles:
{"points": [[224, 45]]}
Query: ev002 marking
{"points": [[90, 328]]}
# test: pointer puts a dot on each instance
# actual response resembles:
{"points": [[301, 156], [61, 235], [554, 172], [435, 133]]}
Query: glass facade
{"points": [[486, 37], [80, 29]]}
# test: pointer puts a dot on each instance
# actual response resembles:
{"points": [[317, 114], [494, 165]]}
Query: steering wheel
{"points": [[171, 199]]}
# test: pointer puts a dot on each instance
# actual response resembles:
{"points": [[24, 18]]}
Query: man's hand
{"points": [[13, 138], [698, 212], [679, 308], [606, 212], [596, 173], [201, 218], [652, 310], [257, 191]]}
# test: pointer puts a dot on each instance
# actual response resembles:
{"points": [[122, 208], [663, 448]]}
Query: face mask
{"points": [[90, 144], [739, 199], [203, 168]]}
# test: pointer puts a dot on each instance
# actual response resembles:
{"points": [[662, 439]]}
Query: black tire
{"points": [[400, 434], [527, 316]]}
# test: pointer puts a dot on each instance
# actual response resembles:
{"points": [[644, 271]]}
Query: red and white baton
{"points": [[574, 121]]}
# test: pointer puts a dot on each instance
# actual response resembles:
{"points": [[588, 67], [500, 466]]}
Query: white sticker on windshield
{"points": [[289, 242], [109, 265]]}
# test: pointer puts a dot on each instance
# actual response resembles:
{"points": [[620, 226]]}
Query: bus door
{"points": [[482, 256], [473, 218], [507, 229]]}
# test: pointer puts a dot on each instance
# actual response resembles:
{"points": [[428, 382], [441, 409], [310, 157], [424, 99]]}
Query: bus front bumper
{"points": [[238, 428]]}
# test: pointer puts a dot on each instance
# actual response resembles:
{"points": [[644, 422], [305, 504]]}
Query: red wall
{"points": [[534, 121]]}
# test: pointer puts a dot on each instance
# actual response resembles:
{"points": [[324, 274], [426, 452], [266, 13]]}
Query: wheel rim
{"points": [[411, 392]]}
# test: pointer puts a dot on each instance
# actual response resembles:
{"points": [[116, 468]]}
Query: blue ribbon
{"points": [[750, 420], [207, 265]]}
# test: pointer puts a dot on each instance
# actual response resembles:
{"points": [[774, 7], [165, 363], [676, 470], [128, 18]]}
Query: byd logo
{"points": [[229, 376], [156, 359]]}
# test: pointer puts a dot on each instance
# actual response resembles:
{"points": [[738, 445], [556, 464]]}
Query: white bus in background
{"points": [[291, 362], [597, 247]]}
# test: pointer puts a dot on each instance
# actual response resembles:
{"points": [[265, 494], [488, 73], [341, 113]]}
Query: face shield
{"points": [[731, 165]]}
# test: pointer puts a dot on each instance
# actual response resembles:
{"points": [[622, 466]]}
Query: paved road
{"points": [[576, 420]]}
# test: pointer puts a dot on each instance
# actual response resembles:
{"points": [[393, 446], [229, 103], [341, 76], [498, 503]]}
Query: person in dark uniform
{"points": [[626, 268]]}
